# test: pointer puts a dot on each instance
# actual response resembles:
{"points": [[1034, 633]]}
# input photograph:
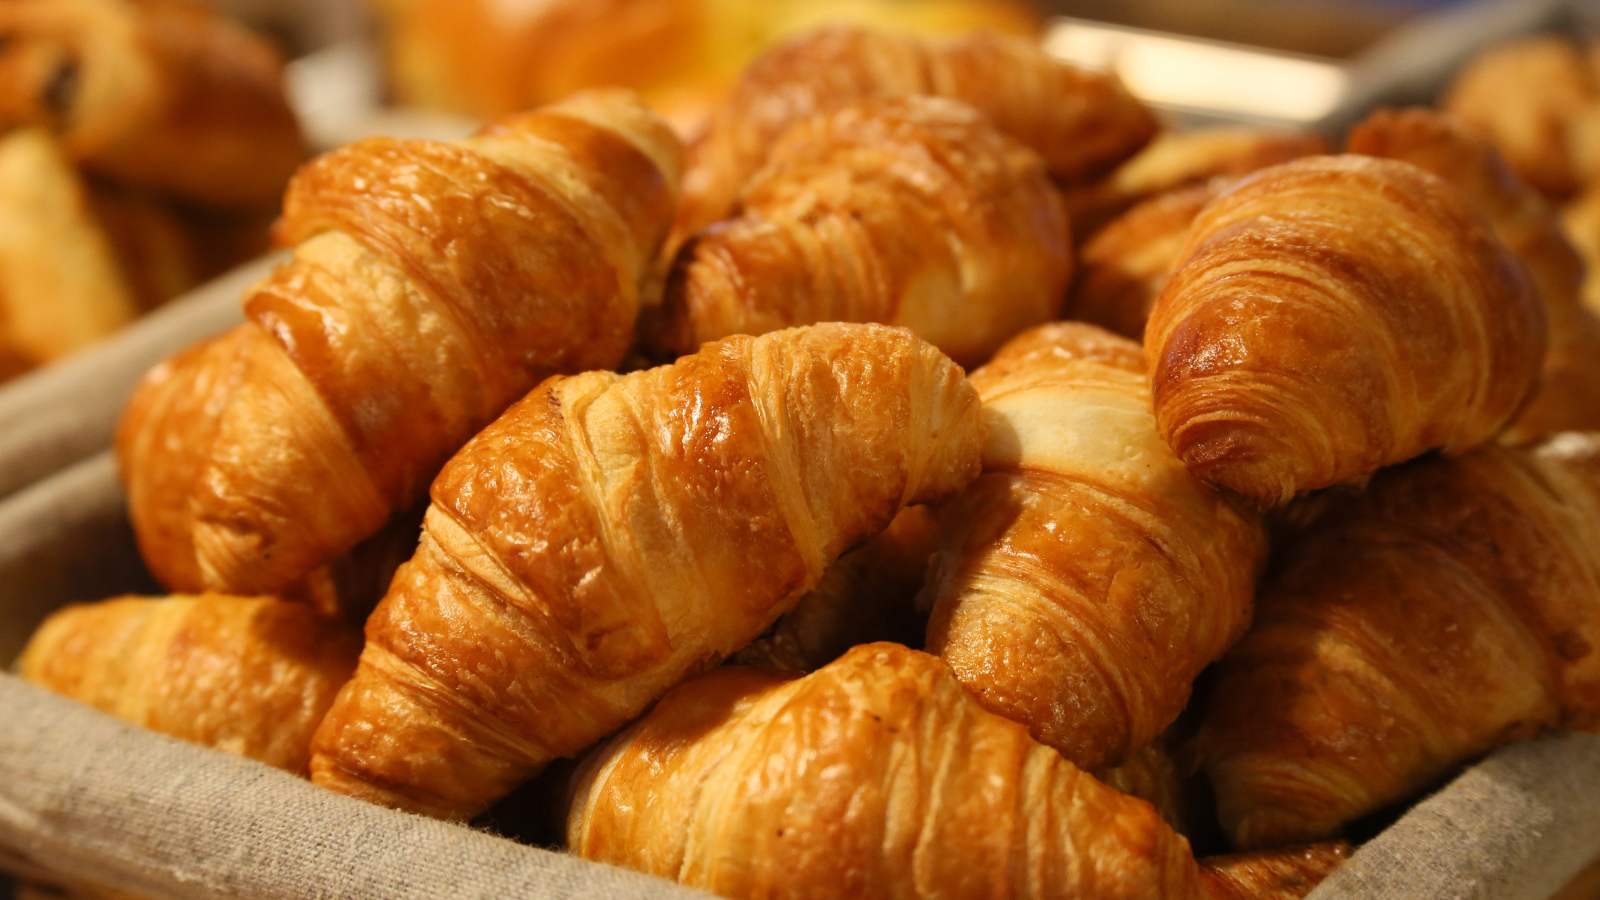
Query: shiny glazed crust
{"points": [[909, 211], [251, 676], [165, 94], [1288, 873], [611, 535], [1334, 315], [433, 285], [1086, 577], [1452, 608], [876, 776]]}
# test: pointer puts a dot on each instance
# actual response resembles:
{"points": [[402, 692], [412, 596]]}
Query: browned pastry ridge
{"points": [[1568, 395], [611, 535], [1081, 123], [876, 776], [868, 595], [1334, 315], [160, 93], [909, 211], [1453, 607], [251, 676], [433, 285], [1086, 577], [1537, 100], [1178, 160]]}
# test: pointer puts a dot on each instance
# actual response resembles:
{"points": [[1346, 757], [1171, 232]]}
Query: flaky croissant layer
{"points": [[909, 211], [876, 776], [432, 285], [1334, 315], [252, 676], [1086, 577], [1452, 607], [611, 535]]}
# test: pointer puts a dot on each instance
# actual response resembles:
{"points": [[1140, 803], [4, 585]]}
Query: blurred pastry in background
{"points": [[1538, 101], [60, 285], [485, 58], [1174, 161], [144, 146], [161, 94]]}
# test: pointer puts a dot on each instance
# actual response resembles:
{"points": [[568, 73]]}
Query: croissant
{"points": [[876, 776], [612, 535], [433, 285], [1178, 160], [1568, 396], [160, 93], [1086, 577], [1287, 874], [1122, 269], [1333, 315], [1538, 101], [60, 286], [1453, 607], [1081, 123], [910, 211], [869, 594], [251, 676]]}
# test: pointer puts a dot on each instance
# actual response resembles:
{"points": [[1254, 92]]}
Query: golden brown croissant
{"points": [[611, 535], [1285, 874], [433, 285], [1568, 396], [1086, 577], [877, 776], [1152, 774], [1538, 101], [60, 286], [1178, 160], [909, 211], [1453, 607], [1333, 315], [160, 93], [1080, 123], [867, 595], [251, 676], [1122, 269]]}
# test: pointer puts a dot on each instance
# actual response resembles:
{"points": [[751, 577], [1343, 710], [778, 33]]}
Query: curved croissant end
{"points": [[1081, 123], [875, 776], [909, 211], [611, 535], [1086, 577], [251, 676], [433, 285], [1453, 607], [1568, 395], [1334, 315]]}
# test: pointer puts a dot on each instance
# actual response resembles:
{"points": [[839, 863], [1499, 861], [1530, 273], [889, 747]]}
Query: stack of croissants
{"points": [[951, 405]]}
